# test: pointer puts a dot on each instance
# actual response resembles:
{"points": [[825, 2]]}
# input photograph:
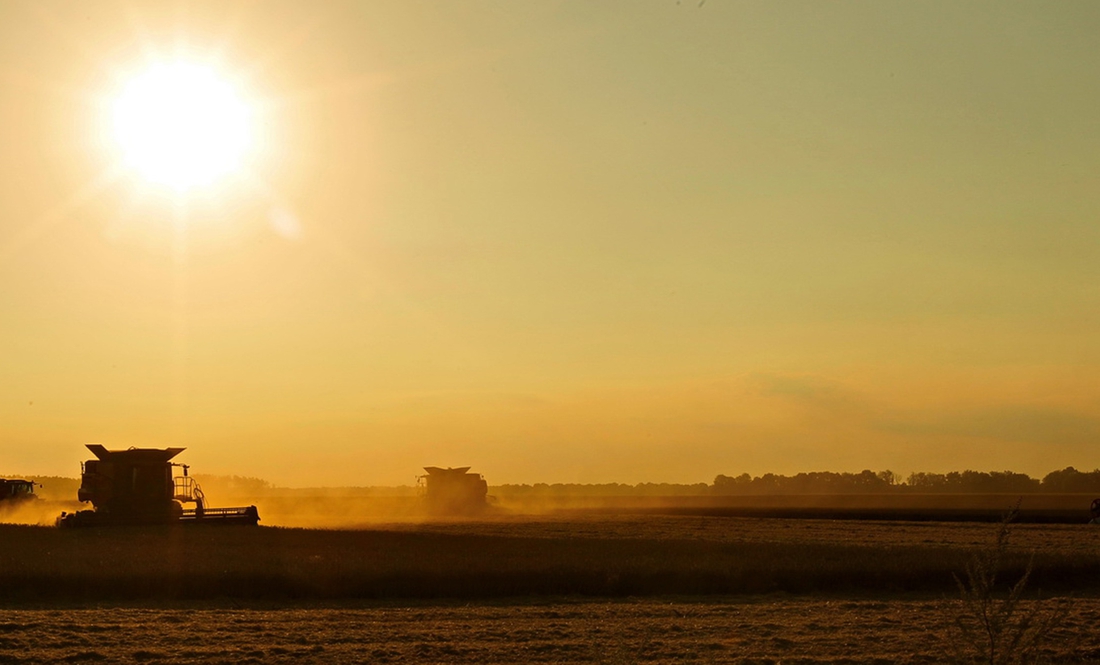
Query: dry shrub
{"points": [[995, 627]]}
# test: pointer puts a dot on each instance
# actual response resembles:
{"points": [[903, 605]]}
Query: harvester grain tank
{"points": [[453, 490], [137, 486]]}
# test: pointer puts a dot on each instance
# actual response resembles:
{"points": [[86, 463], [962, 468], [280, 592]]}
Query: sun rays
{"points": [[176, 127]]}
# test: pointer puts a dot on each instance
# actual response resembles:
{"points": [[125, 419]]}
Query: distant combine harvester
{"points": [[136, 486], [453, 491]]}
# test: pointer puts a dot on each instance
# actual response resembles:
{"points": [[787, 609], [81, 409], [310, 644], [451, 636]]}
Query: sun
{"points": [[182, 125]]}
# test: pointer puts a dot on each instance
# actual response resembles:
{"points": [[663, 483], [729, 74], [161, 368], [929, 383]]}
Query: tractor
{"points": [[137, 486], [16, 491]]}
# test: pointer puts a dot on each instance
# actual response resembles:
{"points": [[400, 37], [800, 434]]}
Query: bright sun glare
{"points": [[182, 125]]}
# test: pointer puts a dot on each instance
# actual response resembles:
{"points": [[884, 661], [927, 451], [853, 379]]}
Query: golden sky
{"points": [[560, 241]]}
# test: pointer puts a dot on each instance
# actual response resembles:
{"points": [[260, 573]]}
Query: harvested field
{"points": [[1048, 538], [541, 589], [769, 630], [596, 556], [1033, 508]]}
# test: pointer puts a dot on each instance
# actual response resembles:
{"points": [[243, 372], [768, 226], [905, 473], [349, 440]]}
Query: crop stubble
{"points": [[767, 630], [576, 589]]}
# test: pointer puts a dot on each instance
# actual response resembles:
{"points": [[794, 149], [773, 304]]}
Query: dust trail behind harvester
{"points": [[38, 512], [362, 507], [441, 494]]}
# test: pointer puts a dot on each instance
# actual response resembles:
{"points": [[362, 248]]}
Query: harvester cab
{"points": [[136, 486]]}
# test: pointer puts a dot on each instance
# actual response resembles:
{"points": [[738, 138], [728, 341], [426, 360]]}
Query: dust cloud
{"points": [[353, 508], [35, 512]]}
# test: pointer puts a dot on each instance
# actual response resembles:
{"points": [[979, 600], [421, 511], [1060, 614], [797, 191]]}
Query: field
{"points": [[574, 586], [744, 630]]}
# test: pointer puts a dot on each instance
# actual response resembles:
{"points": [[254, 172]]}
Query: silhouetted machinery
{"points": [[16, 491], [136, 486], [454, 490]]}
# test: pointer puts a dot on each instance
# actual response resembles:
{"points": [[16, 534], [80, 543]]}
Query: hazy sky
{"points": [[562, 241]]}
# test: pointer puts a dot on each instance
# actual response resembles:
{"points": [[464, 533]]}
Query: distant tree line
{"points": [[819, 482], [542, 490], [1066, 481], [225, 486]]}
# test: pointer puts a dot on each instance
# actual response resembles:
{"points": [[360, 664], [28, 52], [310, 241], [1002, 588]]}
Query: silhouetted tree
{"points": [[1071, 481]]}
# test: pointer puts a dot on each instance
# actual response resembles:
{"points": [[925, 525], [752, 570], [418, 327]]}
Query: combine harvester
{"points": [[136, 486], [453, 491]]}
